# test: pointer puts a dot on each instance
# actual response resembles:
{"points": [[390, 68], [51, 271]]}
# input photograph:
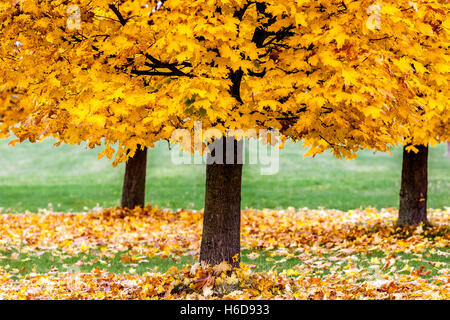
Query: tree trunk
{"points": [[222, 216], [447, 151], [413, 192], [133, 190]]}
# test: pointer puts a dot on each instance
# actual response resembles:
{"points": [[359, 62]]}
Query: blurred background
{"points": [[71, 178]]}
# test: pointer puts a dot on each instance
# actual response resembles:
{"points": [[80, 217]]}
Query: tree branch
{"points": [[171, 66], [122, 20], [160, 73]]}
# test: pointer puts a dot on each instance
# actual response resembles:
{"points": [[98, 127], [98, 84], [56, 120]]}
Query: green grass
{"points": [[42, 262], [72, 179], [431, 261]]}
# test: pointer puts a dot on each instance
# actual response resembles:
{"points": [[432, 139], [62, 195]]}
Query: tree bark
{"points": [[133, 190], [414, 185], [447, 151], [222, 215]]}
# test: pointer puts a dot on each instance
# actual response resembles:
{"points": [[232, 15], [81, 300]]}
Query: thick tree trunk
{"points": [[222, 215], [413, 192], [133, 190]]}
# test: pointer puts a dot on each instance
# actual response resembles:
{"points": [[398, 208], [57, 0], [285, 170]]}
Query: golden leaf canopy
{"points": [[343, 75]]}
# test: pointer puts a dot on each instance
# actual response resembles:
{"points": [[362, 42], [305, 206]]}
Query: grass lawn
{"points": [[430, 262], [70, 178]]}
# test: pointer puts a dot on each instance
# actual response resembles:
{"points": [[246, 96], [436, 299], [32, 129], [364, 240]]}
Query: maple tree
{"points": [[126, 74], [429, 121], [430, 126]]}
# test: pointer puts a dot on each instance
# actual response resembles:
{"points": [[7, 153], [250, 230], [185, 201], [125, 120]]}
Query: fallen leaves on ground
{"points": [[200, 282], [324, 245]]}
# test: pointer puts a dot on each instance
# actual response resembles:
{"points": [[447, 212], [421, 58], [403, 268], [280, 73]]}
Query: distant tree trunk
{"points": [[413, 191], [133, 190], [447, 151], [222, 216]]}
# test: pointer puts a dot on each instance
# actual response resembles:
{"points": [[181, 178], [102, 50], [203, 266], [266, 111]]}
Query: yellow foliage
{"points": [[317, 71]]}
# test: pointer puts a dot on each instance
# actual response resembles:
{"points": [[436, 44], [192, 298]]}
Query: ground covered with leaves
{"points": [[287, 254]]}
